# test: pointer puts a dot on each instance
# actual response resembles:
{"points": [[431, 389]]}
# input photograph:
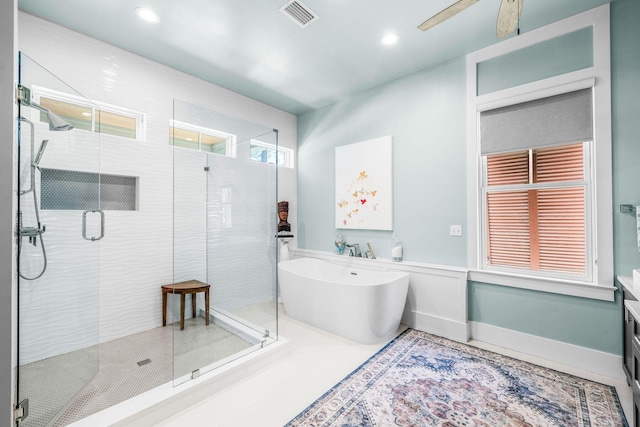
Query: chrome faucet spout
{"points": [[354, 250]]}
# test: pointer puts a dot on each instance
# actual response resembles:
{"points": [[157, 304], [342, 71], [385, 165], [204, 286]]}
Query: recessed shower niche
{"points": [[67, 190]]}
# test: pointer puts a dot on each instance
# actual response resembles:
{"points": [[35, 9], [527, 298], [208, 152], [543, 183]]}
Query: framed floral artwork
{"points": [[364, 185]]}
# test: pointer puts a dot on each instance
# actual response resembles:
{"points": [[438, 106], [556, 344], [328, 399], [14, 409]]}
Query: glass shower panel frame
{"points": [[242, 225], [58, 259], [225, 221]]}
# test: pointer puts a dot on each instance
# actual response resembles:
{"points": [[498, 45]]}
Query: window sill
{"points": [[542, 284]]}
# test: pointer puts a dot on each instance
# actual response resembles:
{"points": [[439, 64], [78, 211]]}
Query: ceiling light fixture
{"points": [[389, 39], [147, 15], [445, 14]]}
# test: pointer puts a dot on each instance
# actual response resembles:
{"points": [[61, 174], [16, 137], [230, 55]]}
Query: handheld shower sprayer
{"points": [[56, 123], [38, 157]]}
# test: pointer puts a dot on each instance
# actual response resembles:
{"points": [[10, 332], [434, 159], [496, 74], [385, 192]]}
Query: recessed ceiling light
{"points": [[389, 39], [147, 15]]}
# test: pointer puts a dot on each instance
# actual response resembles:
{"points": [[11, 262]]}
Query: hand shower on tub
{"points": [[56, 123]]}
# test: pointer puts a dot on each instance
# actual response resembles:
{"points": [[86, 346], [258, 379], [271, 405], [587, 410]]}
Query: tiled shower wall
{"points": [[136, 255]]}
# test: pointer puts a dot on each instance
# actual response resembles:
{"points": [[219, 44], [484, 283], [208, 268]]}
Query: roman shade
{"points": [[555, 120]]}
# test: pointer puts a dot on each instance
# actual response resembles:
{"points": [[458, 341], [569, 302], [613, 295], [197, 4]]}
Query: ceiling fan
{"points": [[507, 22]]}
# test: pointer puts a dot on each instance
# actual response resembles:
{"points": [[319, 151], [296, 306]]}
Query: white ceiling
{"points": [[250, 47]]}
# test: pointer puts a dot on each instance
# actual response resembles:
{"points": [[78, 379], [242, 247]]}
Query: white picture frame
{"points": [[364, 185]]}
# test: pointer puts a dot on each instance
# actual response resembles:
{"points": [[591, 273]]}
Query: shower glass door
{"points": [[58, 232], [225, 220]]}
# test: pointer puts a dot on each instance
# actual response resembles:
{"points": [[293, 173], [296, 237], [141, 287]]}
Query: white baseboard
{"points": [[442, 327], [586, 359]]}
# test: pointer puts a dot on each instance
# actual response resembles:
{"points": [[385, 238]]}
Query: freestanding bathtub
{"points": [[363, 305]]}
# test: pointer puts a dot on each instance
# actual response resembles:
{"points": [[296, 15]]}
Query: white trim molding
{"points": [[573, 356], [554, 286], [598, 77]]}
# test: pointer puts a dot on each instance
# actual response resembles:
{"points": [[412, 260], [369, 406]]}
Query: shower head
{"points": [[56, 122]]}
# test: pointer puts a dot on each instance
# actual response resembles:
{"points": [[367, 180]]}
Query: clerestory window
{"points": [[186, 135], [92, 116], [268, 153]]}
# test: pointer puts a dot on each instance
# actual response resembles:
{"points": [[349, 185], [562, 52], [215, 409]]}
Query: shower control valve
{"points": [[32, 233]]}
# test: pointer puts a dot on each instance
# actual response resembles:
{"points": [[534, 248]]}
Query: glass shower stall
{"points": [[80, 350], [224, 216]]}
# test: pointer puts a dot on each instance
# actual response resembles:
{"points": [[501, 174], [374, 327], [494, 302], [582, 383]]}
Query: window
{"points": [[536, 210], [268, 153], [526, 142], [195, 137], [92, 117], [536, 185]]}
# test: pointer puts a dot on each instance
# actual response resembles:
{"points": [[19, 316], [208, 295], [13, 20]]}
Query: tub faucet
{"points": [[370, 253], [354, 250]]}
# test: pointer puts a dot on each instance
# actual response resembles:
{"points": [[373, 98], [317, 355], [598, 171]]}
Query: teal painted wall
{"points": [[425, 114], [625, 111], [570, 52], [579, 321]]}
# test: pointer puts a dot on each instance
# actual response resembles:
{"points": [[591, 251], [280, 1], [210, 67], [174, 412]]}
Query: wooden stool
{"points": [[191, 287]]}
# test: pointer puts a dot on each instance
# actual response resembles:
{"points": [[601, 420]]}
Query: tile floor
{"points": [[303, 369]]}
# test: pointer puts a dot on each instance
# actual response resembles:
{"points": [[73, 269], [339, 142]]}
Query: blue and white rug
{"points": [[423, 380]]}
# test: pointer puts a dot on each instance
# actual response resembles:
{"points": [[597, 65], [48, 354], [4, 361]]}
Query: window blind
{"points": [[542, 226], [508, 233], [558, 119]]}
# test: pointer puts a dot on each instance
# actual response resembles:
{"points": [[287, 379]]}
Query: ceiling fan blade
{"points": [[445, 14], [508, 17]]}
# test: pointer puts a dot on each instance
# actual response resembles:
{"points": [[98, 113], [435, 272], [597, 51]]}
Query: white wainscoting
{"points": [[437, 298], [437, 303]]}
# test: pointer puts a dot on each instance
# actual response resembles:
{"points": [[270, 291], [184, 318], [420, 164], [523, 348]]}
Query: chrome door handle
{"points": [[84, 225]]}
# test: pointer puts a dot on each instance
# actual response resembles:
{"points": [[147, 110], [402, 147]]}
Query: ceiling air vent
{"points": [[299, 13]]}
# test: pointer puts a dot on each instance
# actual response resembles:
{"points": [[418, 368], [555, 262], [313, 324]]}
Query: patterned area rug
{"points": [[422, 380]]}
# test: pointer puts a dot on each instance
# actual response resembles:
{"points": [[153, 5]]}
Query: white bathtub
{"points": [[362, 305]]}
